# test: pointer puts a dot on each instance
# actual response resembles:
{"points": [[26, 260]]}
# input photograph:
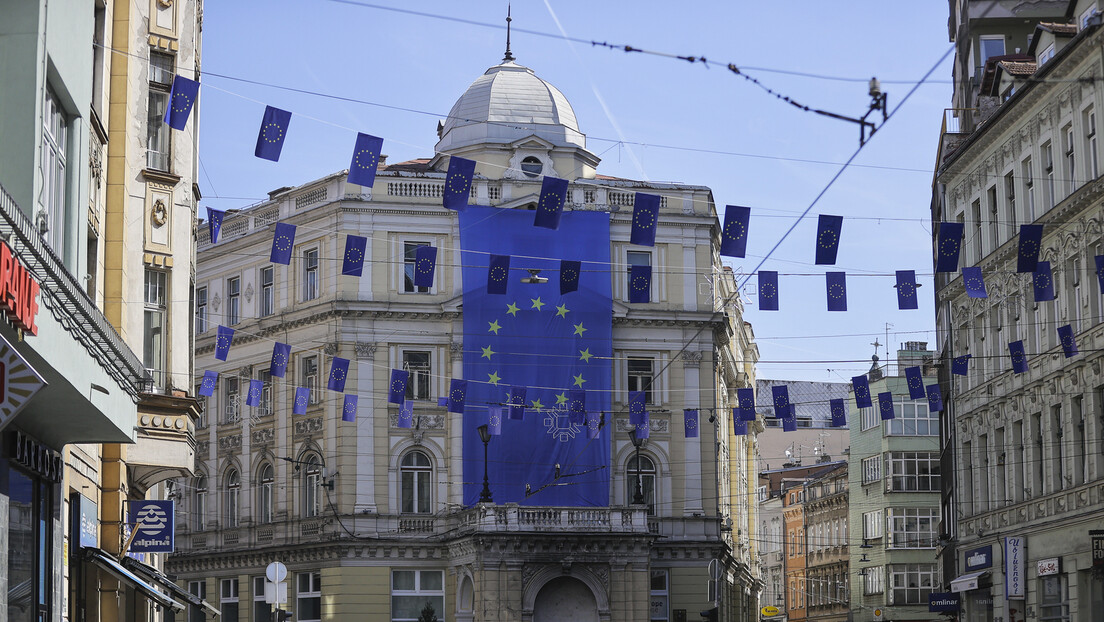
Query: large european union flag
{"points": [[551, 344], [181, 99], [270, 138]]}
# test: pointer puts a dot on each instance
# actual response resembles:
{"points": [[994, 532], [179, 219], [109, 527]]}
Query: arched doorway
{"points": [[565, 599]]}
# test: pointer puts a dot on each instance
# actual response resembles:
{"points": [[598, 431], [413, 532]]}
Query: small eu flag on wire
{"points": [[207, 387], [302, 398], [780, 395], [214, 223], [282, 243], [1031, 239], [974, 282], [222, 342], [397, 389], [961, 365], [768, 290], [515, 399], [352, 264], [745, 400], [270, 138], [640, 283], [861, 386], [498, 274], [458, 390], [914, 378], [644, 428], [734, 234], [636, 406], [839, 413], [828, 235], [569, 276], [1019, 357], [181, 99], [406, 414], [789, 420], [458, 183], [885, 405], [366, 154], [690, 422], [935, 398], [494, 420], [594, 424], [253, 397], [1043, 282], [1069, 344], [947, 246], [281, 354], [339, 372], [644, 219], [739, 428], [349, 408], [1100, 271], [836, 283], [551, 203], [906, 290], [425, 260]]}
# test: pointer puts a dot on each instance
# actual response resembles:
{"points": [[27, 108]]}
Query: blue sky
{"points": [[422, 64]]}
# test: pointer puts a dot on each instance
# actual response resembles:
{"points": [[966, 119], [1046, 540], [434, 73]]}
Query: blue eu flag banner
{"points": [[551, 203], [947, 246], [885, 405], [569, 276], [745, 400], [734, 233], [1031, 239], [253, 397], [861, 386], [974, 281], [828, 235], [906, 290], [425, 260], [594, 423], [520, 334], [781, 399], [645, 218], [181, 99], [1069, 345], [637, 411], [207, 387], [270, 138], [366, 154], [1043, 282], [222, 342], [515, 399], [961, 365], [349, 408], [789, 419], [768, 290], [739, 428], [406, 415], [576, 405], [494, 420], [214, 223], [1100, 272], [302, 398], [458, 183], [352, 264], [640, 283], [339, 372], [644, 428], [1019, 357], [281, 354], [498, 274], [458, 390], [836, 283], [282, 243], [396, 390], [690, 422], [914, 378], [839, 412], [935, 398]]}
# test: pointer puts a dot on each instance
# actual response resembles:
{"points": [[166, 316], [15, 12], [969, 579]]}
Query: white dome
{"points": [[507, 103]]}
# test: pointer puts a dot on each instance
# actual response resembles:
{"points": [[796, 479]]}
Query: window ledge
{"points": [[164, 177]]}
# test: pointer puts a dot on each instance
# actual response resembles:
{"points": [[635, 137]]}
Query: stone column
{"points": [[365, 499], [692, 471]]}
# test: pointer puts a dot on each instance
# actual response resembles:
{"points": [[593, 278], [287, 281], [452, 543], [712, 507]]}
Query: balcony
{"points": [[958, 124], [165, 446]]}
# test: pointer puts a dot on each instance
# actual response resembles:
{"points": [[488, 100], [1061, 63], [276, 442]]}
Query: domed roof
{"points": [[507, 103]]}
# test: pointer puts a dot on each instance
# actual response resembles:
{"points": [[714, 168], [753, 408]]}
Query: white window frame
{"points": [[638, 253], [407, 267], [228, 597], [873, 525], [870, 418], [1028, 189], [418, 591], [1069, 147], [1047, 150], [267, 300], [266, 406], [55, 173], [914, 591], [309, 374], [155, 319], [312, 482], [912, 418], [899, 463], [638, 382], [202, 318], [1093, 161], [313, 592], [1045, 55], [266, 488], [417, 478], [199, 503], [231, 399], [232, 498], [262, 609], [874, 580], [982, 58], [233, 300], [649, 477], [420, 385], [659, 603], [312, 279], [158, 133], [905, 527], [197, 613]]}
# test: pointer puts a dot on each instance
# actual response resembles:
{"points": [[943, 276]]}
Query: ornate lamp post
{"points": [[638, 495], [485, 436]]}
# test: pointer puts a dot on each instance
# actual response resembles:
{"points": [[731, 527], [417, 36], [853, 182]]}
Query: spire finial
{"points": [[509, 57]]}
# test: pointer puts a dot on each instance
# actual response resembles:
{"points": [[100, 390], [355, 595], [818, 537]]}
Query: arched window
{"points": [[312, 480], [647, 473], [415, 474], [233, 492], [199, 503], [264, 494]]}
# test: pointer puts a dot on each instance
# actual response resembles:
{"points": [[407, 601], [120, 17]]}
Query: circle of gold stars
{"points": [[835, 290], [827, 238], [1030, 247], [767, 290], [735, 229], [302, 401], [1042, 280], [640, 283], [397, 385], [691, 423], [350, 408], [974, 283], [425, 265], [283, 242], [181, 101], [279, 132], [498, 273], [907, 289], [948, 247], [338, 374]]}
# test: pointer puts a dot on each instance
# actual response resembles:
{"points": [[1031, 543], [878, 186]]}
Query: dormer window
{"points": [[531, 166]]}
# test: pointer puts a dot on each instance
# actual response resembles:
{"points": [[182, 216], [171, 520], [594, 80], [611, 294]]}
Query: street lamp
{"points": [[485, 436], [638, 496]]}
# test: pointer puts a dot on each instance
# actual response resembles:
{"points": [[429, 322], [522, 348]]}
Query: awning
{"points": [[157, 577], [106, 562], [968, 581]]}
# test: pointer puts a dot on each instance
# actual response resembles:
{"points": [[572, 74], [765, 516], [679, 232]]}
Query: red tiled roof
{"points": [[1019, 68], [1059, 28], [419, 165]]}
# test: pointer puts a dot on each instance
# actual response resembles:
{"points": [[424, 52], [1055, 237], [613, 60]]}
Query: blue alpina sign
{"points": [[153, 522]]}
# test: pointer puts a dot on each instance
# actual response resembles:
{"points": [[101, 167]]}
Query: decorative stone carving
{"points": [[308, 426], [421, 422], [202, 448], [658, 425], [249, 292], [230, 443], [245, 371], [527, 572], [216, 301], [691, 359], [262, 436], [330, 348], [456, 349], [159, 214], [365, 350]]}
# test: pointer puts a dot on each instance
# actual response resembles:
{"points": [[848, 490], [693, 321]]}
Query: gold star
{"points": [[493, 327], [579, 380], [493, 377], [579, 330], [487, 352], [562, 311], [584, 355], [561, 398], [512, 308], [537, 405], [537, 304]]}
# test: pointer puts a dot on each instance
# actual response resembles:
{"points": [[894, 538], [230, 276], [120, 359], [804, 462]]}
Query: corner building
{"points": [[376, 520]]}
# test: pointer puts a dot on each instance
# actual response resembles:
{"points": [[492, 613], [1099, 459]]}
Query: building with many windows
{"points": [[827, 547], [370, 517], [1021, 433]]}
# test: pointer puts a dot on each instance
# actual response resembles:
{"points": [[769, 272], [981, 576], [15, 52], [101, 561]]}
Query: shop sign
{"points": [[769, 611], [18, 382], [89, 516], [152, 520], [18, 291], [1014, 580], [1047, 567], [38, 458], [1097, 548], [943, 601], [981, 557]]}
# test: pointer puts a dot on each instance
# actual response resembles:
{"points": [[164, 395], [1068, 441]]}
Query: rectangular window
{"points": [[412, 590], [913, 419], [1071, 164], [870, 418], [872, 525], [1010, 200], [231, 403], [268, 293], [638, 258], [308, 377], [659, 607], [1029, 190], [310, 274], [308, 597], [266, 407], [991, 45], [155, 316], [158, 133], [1048, 168], [913, 528], [29, 541], [262, 611], [908, 471], [911, 583], [872, 469], [994, 218], [55, 189], [196, 613], [640, 372], [201, 310], [233, 301], [418, 364], [228, 600], [976, 239], [1053, 604], [410, 250], [873, 580], [1090, 143]]}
